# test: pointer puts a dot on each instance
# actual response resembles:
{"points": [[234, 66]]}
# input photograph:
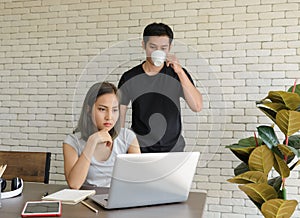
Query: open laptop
{"points": [[149, 179]]}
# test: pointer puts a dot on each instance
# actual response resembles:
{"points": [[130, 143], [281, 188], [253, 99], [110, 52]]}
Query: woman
{"points": [[90, 152]]}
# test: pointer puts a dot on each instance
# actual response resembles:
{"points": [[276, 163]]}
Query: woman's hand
{"points": [[102, 144], [100, 137]]}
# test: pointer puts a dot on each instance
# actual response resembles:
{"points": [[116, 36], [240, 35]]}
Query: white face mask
{"points": [[158, 57]]}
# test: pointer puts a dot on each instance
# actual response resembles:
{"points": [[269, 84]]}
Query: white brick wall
{"points": [[236, 50]]}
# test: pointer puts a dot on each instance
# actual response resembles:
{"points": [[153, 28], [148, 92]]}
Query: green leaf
{"points": [[295, 152], [268, 136], [277, 101], [270, 109], [250, 142], [275, 107], [241, 168], [281, 167], [276, 208], [295, 164], [285, 150], [288, 121], [270, 113], [260, 193], [291, 100], [275, 96], [294, 141], [242, 154], [249, 177], [261, 159], [243, 149], [297, 90], [258, 205], [276, 183], [277, 151]]}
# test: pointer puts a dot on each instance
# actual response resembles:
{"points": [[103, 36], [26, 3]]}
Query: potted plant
{"points": [[262, 154]]}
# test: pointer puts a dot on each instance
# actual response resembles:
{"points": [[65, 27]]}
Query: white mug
{"points": [[158, 57]]}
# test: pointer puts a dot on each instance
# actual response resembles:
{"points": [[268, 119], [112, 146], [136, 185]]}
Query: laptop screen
{"points": [[151, 178]]}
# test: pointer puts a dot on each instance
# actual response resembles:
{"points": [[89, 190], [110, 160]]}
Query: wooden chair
{"points": [[30, 166]]}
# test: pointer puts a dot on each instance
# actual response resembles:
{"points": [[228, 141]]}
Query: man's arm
{"points": [[191, 94], [123, 110]]}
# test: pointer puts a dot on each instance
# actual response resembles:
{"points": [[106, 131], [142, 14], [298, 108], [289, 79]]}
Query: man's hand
{"points": [[173, 62]]}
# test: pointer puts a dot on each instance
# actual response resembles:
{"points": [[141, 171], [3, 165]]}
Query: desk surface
{"points": [[193, 208]]}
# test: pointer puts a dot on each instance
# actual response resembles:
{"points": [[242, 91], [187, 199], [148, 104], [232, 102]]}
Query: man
{"points": [[155, 91]]}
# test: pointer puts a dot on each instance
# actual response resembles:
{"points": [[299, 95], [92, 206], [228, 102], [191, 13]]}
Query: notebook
{"points": [[149, 179], [69, 196]]}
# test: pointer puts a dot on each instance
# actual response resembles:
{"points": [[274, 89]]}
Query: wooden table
{"points": [[193, 208]]}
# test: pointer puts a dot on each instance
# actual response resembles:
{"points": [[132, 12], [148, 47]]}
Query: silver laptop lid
{"points": [[151, 178]]}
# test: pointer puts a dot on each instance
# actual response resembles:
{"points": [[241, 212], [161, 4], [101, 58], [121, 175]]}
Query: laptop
{"points": [[149, 179]]}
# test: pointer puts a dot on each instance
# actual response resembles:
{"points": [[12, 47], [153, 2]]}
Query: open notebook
{"points": [[69, 196]]}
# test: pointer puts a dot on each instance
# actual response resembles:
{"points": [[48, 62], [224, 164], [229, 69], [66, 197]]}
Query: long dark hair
{"points": [[85, 123]]}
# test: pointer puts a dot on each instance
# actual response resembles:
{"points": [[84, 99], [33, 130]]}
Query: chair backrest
{"points": [[30, 166]]}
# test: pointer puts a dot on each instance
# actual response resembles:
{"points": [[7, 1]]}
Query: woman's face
{"points": [[105, 112]]}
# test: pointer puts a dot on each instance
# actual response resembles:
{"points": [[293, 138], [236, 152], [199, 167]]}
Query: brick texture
{"points": [[236, 51]]}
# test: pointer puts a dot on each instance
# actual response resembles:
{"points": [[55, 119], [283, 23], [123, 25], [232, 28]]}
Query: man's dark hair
{"points": [[157, 29]]}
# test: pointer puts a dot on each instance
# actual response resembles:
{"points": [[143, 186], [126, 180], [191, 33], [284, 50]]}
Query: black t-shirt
{"points": [[156, 116]]}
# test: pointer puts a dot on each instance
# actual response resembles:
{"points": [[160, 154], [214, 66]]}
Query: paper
{"points": [[69, 196]]}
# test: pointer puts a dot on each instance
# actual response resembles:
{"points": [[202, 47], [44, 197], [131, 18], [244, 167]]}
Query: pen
{"points": [[2, 169], [89, 206], [45, 194]]}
